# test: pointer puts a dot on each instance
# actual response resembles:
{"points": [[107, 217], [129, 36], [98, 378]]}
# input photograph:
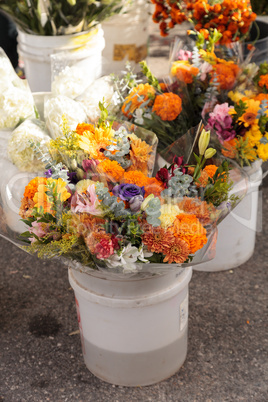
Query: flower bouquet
{"points": [[197, 79], [232, 18], [98, 205], [59, 17], [241, 123]]}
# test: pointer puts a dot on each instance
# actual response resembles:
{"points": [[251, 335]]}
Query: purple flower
{"points": [[73, 177], [48, 173], [135, 203], [127, 190]]}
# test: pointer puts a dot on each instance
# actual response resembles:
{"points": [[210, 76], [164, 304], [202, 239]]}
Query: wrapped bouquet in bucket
{"points": [[129, 239]]}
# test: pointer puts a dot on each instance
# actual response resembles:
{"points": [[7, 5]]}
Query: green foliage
{"points": [[217, 189], [152, 80], [240, 109]]}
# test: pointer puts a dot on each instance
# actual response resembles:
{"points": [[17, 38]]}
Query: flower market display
{"points": [[233, 18]]}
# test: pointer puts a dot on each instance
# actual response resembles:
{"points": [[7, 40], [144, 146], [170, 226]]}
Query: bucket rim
{"points": [[139, 302]]}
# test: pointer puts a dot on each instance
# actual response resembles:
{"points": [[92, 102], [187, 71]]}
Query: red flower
{"points": [[163, 175]]}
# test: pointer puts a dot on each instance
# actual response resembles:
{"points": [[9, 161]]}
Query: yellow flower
{"points": [[168, 215], [262, 149], [57, 188], [95, 141], [203, 141], [236, 96], [253, 135], [250, 115]]}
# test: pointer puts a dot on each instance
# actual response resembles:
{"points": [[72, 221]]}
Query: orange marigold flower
{"points": [[82, 127], [32, 187], [202, 181], [229, 149], [177, 251], [261, 97], [111, 169], [226, 74], [184, 71], [135, 177], [263, 82], [210, 170], [189, 228], [156, 238], [140, 94], [167, 106]]}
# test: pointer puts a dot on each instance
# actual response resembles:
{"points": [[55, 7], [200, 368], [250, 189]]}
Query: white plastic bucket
{"points": [[133, 331], [35, 50], [126, 37], [237, 232]]}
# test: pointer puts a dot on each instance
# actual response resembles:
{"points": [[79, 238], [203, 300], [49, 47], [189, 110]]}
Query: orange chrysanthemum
{"points": [[263, 82], [157, 238], [139, 154], [26, 208], [184, 71], [140, 94], [111, 169], [261, 97], [201, 209], [189, 228], [177, 251], [167, 106]]}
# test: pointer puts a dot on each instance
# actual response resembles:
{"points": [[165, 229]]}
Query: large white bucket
{"points": [[133, 331], [126, 38], [237, 232], [85, 50]]}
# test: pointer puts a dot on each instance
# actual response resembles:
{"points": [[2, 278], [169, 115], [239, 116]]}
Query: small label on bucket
{"points": [[184, 313]]}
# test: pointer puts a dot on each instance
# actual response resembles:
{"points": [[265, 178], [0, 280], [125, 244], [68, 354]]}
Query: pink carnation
{"points": [[221, 121]]}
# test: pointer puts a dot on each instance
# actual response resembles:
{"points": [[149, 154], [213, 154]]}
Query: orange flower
{"points": [[229, 149], [111, 169], [32, 187], [226, 74], [82, 224], [93, 238], [135, 177], [154, 187], [184, 71], [143, 93], [139, 154], [26, 208], [81, 128], [188, 228], [157, 238], [261, 97], [200, 209], [95, 141], [167, 106], [210, 170], [177, 251], [202, 181], [250, 115], [263, 82]]}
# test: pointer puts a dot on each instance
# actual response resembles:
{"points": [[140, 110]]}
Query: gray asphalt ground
{"points": [[227, 350]]}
